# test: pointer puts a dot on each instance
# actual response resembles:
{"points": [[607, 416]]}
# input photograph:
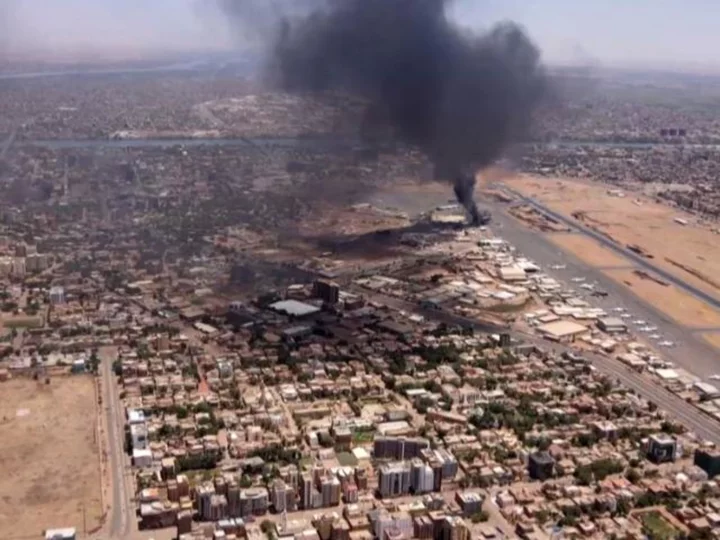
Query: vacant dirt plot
{"points": [[49, 462], [681, 307], [588, 250], [713, 339], [690, 252]]}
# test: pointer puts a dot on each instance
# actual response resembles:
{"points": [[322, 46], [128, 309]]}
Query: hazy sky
{"points": [[659, 33], [616, 32]]}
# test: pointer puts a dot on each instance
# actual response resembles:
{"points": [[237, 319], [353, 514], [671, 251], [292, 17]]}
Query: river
{"points": [[324, 142]]}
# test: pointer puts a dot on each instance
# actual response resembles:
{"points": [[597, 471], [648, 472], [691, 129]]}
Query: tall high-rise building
{"points": [[218, 508], [306, 491], [57, 295], [455, 528], [253, 501], [422, 476], [203, 496], [330, 489], [423, 528], [326, 290], [233, 498], [395, 479], [399, 448], [282, 496]]}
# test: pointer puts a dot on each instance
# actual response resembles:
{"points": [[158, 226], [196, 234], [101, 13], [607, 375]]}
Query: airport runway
{"points": [[691, 352], [640, 261]]}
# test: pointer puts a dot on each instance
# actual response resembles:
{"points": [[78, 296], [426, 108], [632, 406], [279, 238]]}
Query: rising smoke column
{"points": [[462, 98]]}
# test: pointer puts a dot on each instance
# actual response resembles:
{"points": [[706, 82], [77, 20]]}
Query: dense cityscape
{"points": [[229, 312]]}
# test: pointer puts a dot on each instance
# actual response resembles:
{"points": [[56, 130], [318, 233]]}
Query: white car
{"points": [[645, 329], [578, 279], [652, 328], [639, 321], [667, 344], [655, 336], [587, 286], [715, 377], [558, 267], [625, 316], [618, 310]]}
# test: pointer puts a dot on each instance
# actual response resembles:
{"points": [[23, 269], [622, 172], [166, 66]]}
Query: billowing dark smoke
{"points": [[464, 187], [460, 97]]}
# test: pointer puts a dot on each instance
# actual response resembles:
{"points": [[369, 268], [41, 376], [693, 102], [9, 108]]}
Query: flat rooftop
{"points": [[294, 308]]}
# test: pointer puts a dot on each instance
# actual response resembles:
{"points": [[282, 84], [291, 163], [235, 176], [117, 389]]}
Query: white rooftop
{"points": [[293, 307]]}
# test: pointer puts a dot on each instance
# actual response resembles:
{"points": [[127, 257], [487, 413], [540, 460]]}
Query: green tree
{"points": [[633, 475], [584, 475], [245, 481], [480, 517], [267, 526]]}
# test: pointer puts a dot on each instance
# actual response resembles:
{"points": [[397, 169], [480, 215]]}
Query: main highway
{"points": [[122, 513]]}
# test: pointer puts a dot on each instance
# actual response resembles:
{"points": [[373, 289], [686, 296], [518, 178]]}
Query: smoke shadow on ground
{"points": [[384, 242]]}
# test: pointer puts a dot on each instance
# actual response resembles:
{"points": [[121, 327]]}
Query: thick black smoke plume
{"points": [[460, 97]]}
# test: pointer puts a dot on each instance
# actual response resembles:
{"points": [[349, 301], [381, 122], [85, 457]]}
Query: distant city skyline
{"points": [[641, 33]]}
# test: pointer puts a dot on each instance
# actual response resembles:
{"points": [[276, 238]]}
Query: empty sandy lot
{"points": [[713, 339], [588, 250], [50, 464], [635, 219], [679, 306]]}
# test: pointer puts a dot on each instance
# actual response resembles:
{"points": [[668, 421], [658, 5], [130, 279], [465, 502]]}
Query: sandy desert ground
{"points": [[679, 306], [50, 465], [690, 252], [588, 250]]}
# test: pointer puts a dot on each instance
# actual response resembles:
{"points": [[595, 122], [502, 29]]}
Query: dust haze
{"points": [[99, 30]]}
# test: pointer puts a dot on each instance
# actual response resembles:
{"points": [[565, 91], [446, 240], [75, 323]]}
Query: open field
{"points": [[690, 252], [588, 250], [50, 466], [713, 339], [679, 306]]}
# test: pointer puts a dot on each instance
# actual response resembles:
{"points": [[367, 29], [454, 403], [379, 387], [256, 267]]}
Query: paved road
{"points": [[5, 146], [122, 514]]}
